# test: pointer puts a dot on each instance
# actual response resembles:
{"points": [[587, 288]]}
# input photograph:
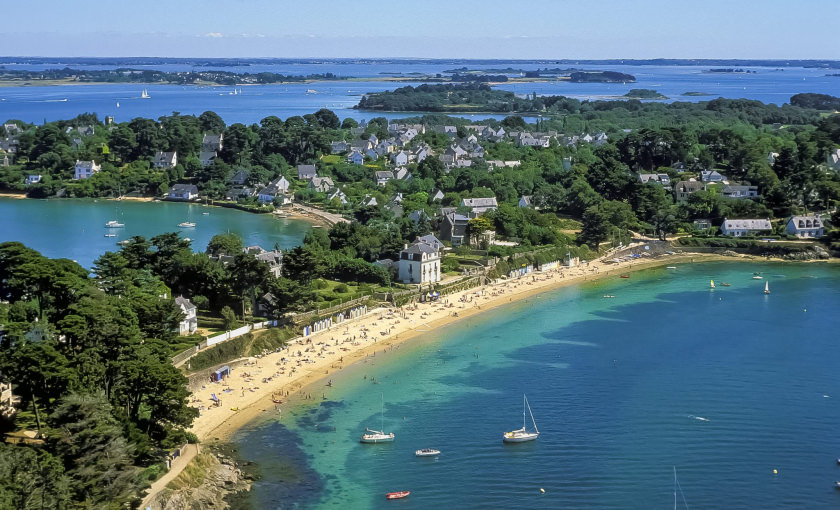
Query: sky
{"points": [[502, 29]]}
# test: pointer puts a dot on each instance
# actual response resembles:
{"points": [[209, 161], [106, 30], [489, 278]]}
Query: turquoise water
{"points": [[74, 229], [726, 385]]}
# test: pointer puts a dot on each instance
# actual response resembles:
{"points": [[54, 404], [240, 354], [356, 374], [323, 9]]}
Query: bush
{"points": [[341, 289]]}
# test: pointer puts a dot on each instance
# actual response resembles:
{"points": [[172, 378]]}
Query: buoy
{"points": [[775, 471], [542, 490]]}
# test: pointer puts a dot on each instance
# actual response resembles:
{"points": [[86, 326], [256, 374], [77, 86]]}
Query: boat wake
{"points": [[699, 418]]}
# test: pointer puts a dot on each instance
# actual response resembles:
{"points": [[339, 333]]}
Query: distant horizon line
{"points": [[564, 59]]}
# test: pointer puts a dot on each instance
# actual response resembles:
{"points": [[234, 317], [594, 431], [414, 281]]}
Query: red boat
{"points": [[397, 495], [625, 276]]}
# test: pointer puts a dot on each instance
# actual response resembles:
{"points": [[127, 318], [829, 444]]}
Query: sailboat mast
{"points": [[675, 487], [524, 403]]}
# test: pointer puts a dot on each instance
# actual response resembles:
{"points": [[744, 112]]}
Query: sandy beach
{"points": [[249, 390]]}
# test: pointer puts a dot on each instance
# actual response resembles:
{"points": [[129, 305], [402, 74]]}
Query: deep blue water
{"points": [[36, 104], [74, 228], [616, 386]]}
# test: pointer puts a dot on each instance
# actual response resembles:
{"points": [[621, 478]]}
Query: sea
{"points": [[734, 391], [75, 228], [250, 104]]}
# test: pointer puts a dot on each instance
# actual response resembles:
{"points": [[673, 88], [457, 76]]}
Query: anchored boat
{"points": [[378, 436], [397, 495], [427, 452], [522, 435]]}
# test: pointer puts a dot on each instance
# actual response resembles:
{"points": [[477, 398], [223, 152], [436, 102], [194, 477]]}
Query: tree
{"points": [[90, 441], [225, 244], [228, 318], [300, 265], [210, 122], [327, 119], [32, 479], [595, 226]]}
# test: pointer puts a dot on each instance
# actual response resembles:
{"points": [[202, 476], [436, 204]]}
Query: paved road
{"points": [[178, 465]]}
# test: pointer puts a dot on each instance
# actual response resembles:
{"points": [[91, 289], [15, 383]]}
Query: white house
{"points": [[183, 192], [190, 321], [212, 142], [321, 184], [810, 227], [479, 206], [740, 228], [307, 172], [32, 179], [419, 263], [338, 195], [400, 158], [739, 191], [525, 201], [833, 159], [165, 159], [85, 169], [383, 177]]}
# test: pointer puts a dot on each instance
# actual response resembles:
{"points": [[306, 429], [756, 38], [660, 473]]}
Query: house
{"points": [[273, 258], [206, 158], [356, 158], [437, 195], [771, 158], [77, 143], [339, 147], [212, 142], [450, 131], [85, 169], [421, 153], [453, 228], [496, 163], [400, 159], [431, 240], [684, 189], [738, 191], [237, 192], [12, 129], [810, 227], [479, 206], [306, 172], [525, 201], [165, 160], [339, 195], [32, 179], [456, 152], [189, 323], [321, 184], [419, 263], [275, 189], [419, 216], [239, 178], [662, 179], [833, 160], [711, 176], [402, 174], [702, 224], [372, 154], [383, 177], [368, 201], [183, 192], [745, 227]]}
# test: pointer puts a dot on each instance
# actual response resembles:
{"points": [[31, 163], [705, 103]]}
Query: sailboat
{"points": [[144, 94], [378, 436], [522, 435], [767, 287], [677, 486], [712, 284]]}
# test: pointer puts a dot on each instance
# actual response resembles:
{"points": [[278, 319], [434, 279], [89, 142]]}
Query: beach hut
{"points": [[220, 374]]}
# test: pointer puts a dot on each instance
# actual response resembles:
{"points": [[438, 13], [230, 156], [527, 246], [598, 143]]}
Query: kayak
{"points": [[397, 495]]}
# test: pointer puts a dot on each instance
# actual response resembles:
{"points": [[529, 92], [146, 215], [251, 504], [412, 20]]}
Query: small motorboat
{"points": [[186, 224], [114, 224], [837, 485], [427, 452], [609, 296], [671, 267], [724, 284], [275, 397], [757, 276], [397, 495], [624, 276], [110, 235]]}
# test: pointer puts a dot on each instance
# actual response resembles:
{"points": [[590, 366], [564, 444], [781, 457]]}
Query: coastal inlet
{"points": [[725, 384]]}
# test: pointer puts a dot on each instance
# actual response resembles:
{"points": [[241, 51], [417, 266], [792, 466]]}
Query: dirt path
{"points": [[178, 465]]}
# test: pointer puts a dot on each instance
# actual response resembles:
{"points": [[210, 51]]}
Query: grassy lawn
{"points": [[331, 159], [328, 291]]}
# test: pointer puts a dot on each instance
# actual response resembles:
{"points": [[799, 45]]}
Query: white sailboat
{"points": [[712, 284], [767, 287], [378, 436], [677, 486], [144, 94], [522, 435]]}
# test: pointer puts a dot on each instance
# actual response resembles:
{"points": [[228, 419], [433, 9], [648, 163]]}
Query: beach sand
{"points": [[248, 391]]}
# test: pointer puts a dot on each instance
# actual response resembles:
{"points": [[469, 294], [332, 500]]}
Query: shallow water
{"points": [[726, 385]]}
